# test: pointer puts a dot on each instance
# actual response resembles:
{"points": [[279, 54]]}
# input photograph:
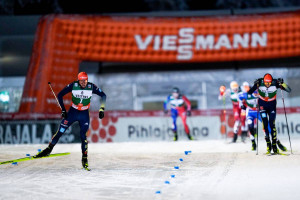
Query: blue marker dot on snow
{"points": [[27, 154], [187, 152], [158, 192], [180, 159], [15, 163], [167, 182], [176, 167], [172, 176], [39, 150]]}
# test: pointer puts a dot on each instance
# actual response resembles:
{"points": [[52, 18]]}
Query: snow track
{"points": [[213, 170]]}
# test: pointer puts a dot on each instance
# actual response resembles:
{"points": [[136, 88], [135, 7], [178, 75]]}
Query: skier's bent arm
{"points": [[252, 89], [62, 93], [100, 93]]}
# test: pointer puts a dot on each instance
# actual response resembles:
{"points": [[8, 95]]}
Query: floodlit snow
{"points": [[213, 170]]}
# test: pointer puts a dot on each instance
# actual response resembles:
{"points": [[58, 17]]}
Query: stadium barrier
{"points": [[135, 126]]}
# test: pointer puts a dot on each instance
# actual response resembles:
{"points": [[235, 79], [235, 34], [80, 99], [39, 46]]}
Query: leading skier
{"points": [[267, 91], [82, 91]]}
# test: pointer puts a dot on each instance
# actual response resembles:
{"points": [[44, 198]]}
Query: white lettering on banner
{"points": [[160, 128], [8, 136], [47, 134], [27, 134], [186, 39], [139, 131], [17, 139], [35, 139]]}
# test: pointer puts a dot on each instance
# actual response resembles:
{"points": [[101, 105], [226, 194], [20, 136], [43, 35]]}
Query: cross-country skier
{"points": [[82, 91], [251, 112], [249, 103], [236, 104], [267, 90], [180, 105], [245, 88]]}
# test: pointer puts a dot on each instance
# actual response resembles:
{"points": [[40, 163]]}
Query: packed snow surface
{"points": [[212, 169]]}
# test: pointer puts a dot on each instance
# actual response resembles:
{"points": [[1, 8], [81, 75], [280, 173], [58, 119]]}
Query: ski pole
{"points": [[224, 111], [54, 95], [222, 91], [257, 113], [286, 121]]}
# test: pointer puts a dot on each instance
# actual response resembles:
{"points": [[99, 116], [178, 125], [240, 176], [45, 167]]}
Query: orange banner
{"points": [[63, 41]]}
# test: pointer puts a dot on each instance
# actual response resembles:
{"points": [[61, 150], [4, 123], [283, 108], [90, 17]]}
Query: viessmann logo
{"points": [[186, 41]]}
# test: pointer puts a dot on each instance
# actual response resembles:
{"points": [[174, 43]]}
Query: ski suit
{"points": [[267, 106], [178, 108], [236, 106], [250, 101], [79, 110]]}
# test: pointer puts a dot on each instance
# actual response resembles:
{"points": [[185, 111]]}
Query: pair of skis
{"points": [[15, 161], [274, 154]]}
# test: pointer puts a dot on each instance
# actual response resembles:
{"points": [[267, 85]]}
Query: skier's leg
{"points": [[186, 127], [64, 125], [265, 122], [272, 117], [84, 122], [236, 126], [250, 121], [244, 126], [174, 115]]}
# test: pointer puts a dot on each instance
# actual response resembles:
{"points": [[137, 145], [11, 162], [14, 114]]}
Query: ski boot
{"points": [[281, 147], [85, 164], [190, 137], [234, 138], [269, 146], [253, 145], [244, 136], [45, 152], [275, 150], [175, 137]]}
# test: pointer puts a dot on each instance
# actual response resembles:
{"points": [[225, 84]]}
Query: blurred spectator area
{"points": [[40, 7]]}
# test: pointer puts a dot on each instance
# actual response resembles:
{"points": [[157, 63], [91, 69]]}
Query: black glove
{"points": [[188, 113], [101, 112], [166, 111], [280, 80], [64, 114], [243, 107]]}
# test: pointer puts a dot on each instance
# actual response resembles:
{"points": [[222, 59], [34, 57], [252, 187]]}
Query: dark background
{"points": [[42, 7]]}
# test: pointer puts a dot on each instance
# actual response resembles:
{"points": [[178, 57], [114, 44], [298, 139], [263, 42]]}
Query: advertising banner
{"points": [[143, 126], [63, 41]]}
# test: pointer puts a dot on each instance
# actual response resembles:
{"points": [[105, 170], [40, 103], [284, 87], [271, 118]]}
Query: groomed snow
{"points": [[213, 170]]}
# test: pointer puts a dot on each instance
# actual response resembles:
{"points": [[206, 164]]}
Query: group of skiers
{"points": [[256, 103], [247, 103]]}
